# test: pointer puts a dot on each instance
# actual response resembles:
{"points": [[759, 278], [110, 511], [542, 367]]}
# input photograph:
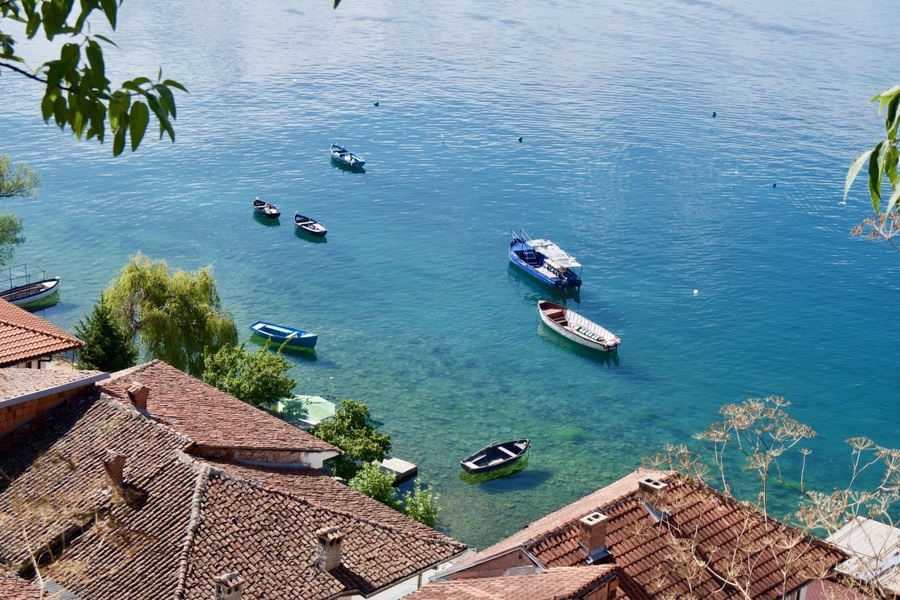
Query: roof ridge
{"points": [[200, 486], [65, 337]]}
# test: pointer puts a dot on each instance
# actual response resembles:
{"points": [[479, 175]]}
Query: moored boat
{"points": [[283, 333], [264, 209], [545, 261], [495, 456], [577, 328], [310, 226], [31, 292], [346, 158]]}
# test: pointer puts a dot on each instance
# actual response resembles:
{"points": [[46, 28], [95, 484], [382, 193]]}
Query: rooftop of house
{"points": [[668, 536], [207, 415], [110, 501], [24, 336], [16, 384], [552, 584], [874, 550]]}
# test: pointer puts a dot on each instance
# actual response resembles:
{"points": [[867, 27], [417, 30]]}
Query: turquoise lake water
{"points": [[622, 163]]}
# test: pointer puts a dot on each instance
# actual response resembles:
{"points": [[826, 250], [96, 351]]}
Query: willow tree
{"points": [[174, 318], [23, 182]]}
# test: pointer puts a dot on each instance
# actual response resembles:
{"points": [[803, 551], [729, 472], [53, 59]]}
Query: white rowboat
{"points": [[577, 328]]}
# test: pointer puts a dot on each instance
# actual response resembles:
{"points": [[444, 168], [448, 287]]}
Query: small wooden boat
{"points": [[346, 158], [310, 226], [495, 456], [283, 333], [577, 328], [31, 292], [264, 209], [545, 261]]}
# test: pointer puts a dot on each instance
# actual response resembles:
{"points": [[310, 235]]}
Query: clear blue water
{"points": [[622, 163]]}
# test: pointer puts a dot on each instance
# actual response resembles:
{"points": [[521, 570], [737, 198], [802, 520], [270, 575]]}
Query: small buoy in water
{"points": [[696, 292], [376, 103], [774, 184], [714, 114], [520, 139]]}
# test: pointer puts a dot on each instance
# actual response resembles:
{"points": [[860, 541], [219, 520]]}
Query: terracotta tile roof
{"points": [[20, 382], [329, 494], [207, 415], [25, 336], [553, 584], [179, 521], [704, 541], [16, 588]]}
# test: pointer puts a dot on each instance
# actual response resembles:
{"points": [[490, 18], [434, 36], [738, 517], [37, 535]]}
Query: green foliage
{"points": [[77, 92], [176, 318], [421, 504], [375, 483], [23, 183], [10, 236], [883, 160], [351, 430], [105, 345], [256, 378]]}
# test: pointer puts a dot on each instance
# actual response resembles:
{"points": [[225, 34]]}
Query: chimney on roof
{"points": [[593, 536], [114, 465], [229, 586], [649, 485], [138, 394], [328, 552]]}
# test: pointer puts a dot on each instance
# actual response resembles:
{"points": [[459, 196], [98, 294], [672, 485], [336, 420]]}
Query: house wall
{"points": [[18, 414]]}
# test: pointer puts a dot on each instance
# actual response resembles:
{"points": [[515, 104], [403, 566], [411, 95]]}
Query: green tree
{"points": [[77, 92], [351, 430], [376, 484], [176, 318], [258, 378], [105, 345], [883, 161], [24, 182], [421, 504]]}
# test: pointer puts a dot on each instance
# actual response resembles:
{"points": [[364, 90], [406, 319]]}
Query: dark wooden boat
{"points": [[347, 158], [310, 226], [264, 209], [31, 292], [495, 456]]}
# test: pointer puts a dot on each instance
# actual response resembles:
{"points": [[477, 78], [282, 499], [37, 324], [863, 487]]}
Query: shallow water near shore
{"points": [[621, 162]]}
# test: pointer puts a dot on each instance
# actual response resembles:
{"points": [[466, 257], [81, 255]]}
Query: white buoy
{"points": [[696, 292]]}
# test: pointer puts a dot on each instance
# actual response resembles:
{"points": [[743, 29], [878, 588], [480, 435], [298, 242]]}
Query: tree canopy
{"points": [[176, 318], [77, 93], [24, 182], [258, 378], [883, 160], [105, 345], [351, 430]]}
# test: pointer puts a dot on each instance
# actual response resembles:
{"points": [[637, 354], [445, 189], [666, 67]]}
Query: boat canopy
{"points": [[554, 253]]}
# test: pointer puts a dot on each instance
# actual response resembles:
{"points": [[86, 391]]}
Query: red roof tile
{"points": [[24, 336], [15, 383], [553, 584], [178, 522], [207, 415]]}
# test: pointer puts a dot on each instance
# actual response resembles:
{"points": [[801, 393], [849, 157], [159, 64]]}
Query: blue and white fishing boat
{"points": [[284, 333], [545, 261]]}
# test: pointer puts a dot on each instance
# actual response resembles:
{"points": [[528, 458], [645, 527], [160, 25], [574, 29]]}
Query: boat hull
{"points": [[346, 158], [297, 338], [309, 226], [495, 456], [266, 210], [539, 272], [32, 292], [578, 328]]}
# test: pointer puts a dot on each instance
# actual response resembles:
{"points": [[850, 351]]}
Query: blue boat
{"points": [[545, 261], [283, 333]]}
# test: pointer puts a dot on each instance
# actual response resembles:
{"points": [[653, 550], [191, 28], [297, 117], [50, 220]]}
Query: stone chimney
{"points": [[138, 394], [229, 586], [114, 465], [593, 531], [648, 485], [328, 552]]}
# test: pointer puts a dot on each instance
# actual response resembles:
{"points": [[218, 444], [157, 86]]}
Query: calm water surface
{"points": [[622, 163]]}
